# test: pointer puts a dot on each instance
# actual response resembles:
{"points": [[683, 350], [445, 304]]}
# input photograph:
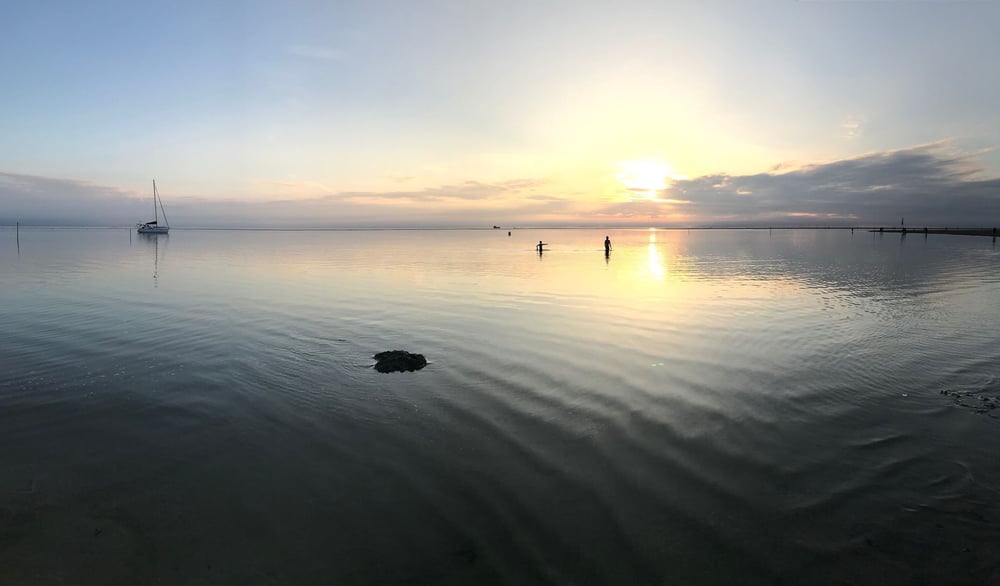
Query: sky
{"points": [[471, 113]]}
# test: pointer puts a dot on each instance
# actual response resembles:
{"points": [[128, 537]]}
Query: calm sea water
{"points": [[703, 407]]}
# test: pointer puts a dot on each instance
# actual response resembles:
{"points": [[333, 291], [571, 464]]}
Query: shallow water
{"points": [[699, 407]]}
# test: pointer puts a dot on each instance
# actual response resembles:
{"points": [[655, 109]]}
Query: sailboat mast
{"points": [[156, 217], [162, 211]]}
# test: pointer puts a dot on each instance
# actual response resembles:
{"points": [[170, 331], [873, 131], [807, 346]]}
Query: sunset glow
{"points": [[344, 115], [648, 177]]}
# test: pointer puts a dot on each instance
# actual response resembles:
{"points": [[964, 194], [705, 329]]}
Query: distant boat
{"points": [[154, 227]]}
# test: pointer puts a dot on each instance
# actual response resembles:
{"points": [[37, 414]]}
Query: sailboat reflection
{"points": [[154, 239]]}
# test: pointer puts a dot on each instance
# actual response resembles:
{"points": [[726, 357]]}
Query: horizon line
{"points": [[512, 228]]}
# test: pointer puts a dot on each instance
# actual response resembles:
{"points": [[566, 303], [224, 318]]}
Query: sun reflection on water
{"points": [[655, 263]]}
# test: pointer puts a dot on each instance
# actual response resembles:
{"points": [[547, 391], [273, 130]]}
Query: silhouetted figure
{"points": [[508, 233], [540, 247], [607, 245]]}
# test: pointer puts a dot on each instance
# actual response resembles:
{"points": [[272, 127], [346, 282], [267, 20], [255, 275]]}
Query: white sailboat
{"points": [[154, 227]]}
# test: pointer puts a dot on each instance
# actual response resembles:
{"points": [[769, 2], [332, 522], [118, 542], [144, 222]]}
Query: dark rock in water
{"points": [[399, 361]]}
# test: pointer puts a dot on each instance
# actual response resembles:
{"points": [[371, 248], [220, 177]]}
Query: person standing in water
{"points": [[539, 247], [607, 245]]}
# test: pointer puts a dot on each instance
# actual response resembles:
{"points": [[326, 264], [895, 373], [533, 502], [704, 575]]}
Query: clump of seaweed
{"points": [[399, 361]]}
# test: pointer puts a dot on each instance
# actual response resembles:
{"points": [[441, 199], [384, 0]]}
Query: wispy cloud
{"points": [[850, 127], [465, 191], [322, 53], [293, 188]]}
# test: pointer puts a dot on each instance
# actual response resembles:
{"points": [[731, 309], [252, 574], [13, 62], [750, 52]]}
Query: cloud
{"points": [[36, 200], [542, 197], [465, 191], [933, 185], [321, 53], [295, 189], [850, 128]]}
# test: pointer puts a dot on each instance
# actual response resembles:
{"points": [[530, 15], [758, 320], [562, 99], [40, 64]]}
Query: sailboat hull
{"points": [[152, 229]]}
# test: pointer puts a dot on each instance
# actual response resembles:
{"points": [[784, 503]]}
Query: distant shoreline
{"points": [[869, 228], [952, 231]]}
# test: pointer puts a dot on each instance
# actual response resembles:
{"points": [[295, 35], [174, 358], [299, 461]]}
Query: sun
{"points": [[649, 177]]}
